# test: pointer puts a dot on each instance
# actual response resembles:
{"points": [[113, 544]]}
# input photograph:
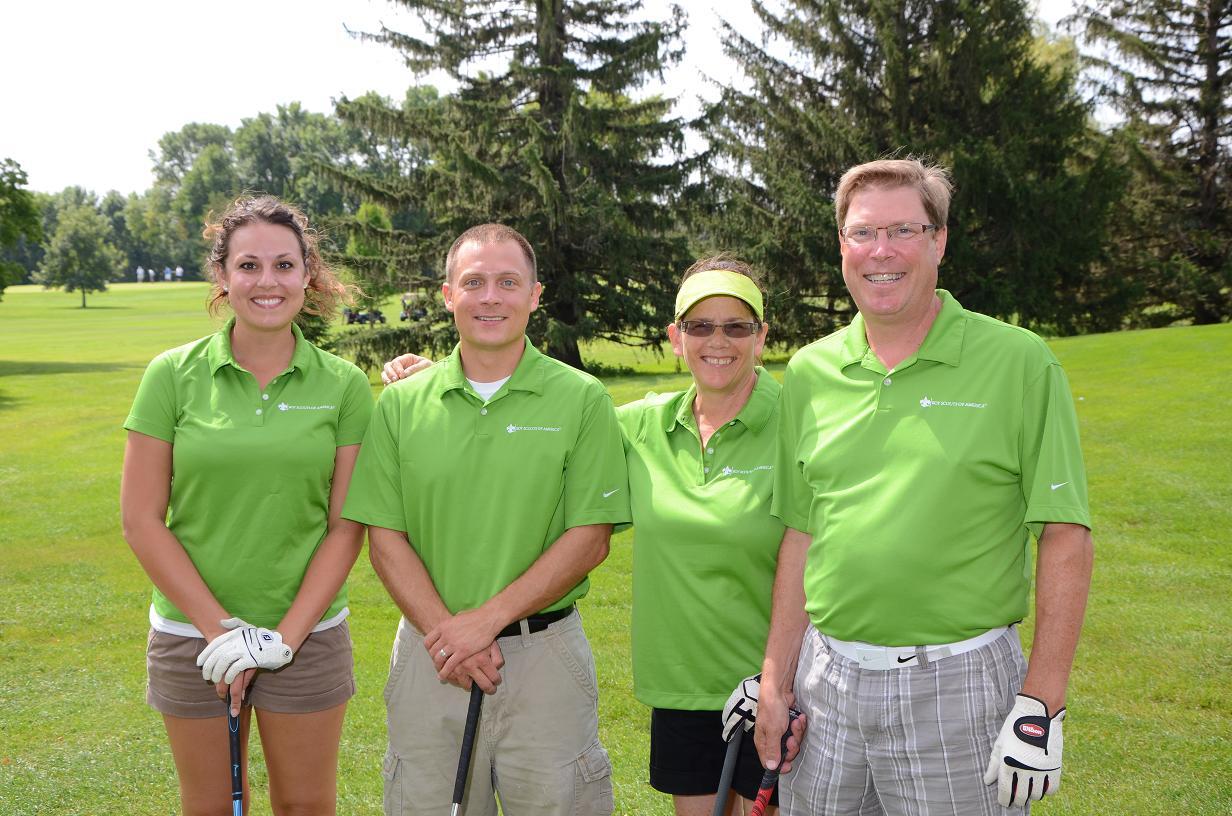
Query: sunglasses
{"points": [[704, 328]]}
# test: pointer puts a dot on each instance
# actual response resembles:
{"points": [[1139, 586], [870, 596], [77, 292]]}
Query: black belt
{"points": [[536, 623]]}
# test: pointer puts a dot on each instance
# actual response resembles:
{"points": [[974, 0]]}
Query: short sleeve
{"points": [[355, 410], [375, 494], [792, 500], [1054, 480], [596, 478], [155, 410]]}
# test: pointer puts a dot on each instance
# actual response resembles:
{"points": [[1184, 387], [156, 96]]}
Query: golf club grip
{"points": [[237, 773], [768, 780], [771, 778], [468, 742], [729, 771]]}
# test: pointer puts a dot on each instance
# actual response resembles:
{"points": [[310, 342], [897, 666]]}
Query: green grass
{"points": [[1150, 730]]}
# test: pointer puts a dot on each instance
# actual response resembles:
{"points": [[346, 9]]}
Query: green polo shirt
{"points": [[920, 486], [706, 546], [482, 489], [251, 469]]}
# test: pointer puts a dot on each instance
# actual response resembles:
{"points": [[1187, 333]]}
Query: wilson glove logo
{"points": [[1031, 730]]}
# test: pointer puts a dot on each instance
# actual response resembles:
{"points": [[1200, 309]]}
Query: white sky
{"points": [[87, 87]]}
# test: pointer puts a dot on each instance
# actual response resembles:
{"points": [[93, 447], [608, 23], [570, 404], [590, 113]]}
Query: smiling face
{"points": [[892, 282], [719, 363], [264, 273], [491, 292]]}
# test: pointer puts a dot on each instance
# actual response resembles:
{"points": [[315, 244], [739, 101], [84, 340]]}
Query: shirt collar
{"points": [[754, 415], [942, 344], [219, 351], [528, 376]]}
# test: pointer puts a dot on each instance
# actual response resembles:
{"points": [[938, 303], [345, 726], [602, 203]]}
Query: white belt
{"points": [[883, 658]]}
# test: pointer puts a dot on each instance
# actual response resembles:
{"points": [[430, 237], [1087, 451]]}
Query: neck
{"points": [[895, 340], [715, 408], [262, 350], [489, 365]]}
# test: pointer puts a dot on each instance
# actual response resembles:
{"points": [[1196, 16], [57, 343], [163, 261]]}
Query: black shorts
{"points": [[686, 755]]}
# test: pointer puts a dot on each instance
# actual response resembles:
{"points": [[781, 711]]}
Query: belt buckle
{"points": [[873, 657]]}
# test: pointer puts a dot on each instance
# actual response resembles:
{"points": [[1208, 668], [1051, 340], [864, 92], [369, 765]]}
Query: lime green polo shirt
{"points": [[705, 548], [920, 486], [482, 489], [251, 469]]}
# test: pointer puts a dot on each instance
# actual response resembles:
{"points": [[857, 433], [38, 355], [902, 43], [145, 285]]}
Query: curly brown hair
{"points": [[325, 292]]}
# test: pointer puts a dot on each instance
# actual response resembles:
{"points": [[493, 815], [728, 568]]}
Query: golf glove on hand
{"points": [[244, 647], [1026, 758], [741, 707]]}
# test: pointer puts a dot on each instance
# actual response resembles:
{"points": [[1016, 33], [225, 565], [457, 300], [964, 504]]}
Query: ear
{"points": [[536, 292], [939, 238], [447, 293], [674, 337], [760, 344]]}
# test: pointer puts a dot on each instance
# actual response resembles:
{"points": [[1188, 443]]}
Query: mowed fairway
{"points": [[1150, 726]]}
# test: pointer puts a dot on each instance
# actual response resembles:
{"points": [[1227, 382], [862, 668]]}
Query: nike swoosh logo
{"points": [[610, 492], [906, 659], [1055, 486]]}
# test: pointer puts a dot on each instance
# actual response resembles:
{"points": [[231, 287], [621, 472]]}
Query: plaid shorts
{"points": [[913, 741]]}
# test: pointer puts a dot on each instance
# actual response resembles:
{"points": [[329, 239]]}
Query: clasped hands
{"points": [[463, 649]]}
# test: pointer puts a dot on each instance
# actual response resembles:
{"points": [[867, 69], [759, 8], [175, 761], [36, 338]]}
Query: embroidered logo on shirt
{"points": [[282, 406], [1057, 486], [930, 403], [728, 471], [515, 428], [611, 492]]}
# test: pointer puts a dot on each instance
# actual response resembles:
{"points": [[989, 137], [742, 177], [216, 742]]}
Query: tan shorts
{"points": [[321, 676], [537, 745]]}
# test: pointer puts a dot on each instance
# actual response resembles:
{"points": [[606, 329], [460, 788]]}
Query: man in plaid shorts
{"points": [[920, 449]]}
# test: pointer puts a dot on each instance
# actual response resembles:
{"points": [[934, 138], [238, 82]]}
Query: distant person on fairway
{"points": [[490, 485], [240, 450], [140, 274], [700, 473], [919, 450]]}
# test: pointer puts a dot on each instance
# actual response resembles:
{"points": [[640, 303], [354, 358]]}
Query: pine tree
{"points": [[840, 82], [1166, 67], [543, 134]]}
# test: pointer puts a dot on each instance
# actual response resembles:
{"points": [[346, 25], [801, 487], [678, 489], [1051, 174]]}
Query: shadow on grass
{"points": [[91, 308], [10, 368]]}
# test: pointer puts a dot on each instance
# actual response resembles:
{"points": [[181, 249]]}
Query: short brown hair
{"points": [[931, 181], [485, 234], [324, 293], [728, 262]]}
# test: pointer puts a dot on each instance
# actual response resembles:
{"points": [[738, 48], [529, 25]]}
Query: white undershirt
{"points": [[485, 390], [172, 627]]}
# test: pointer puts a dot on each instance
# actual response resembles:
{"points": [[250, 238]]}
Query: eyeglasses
{"points": [[867, 234], [704, 328]]}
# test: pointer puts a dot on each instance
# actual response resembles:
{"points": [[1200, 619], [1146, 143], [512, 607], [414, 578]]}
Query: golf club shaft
{"points": [[729, 770], [237, 774], [468, 743]]}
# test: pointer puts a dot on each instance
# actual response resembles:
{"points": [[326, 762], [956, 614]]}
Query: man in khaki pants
{"points": [[490, 484]]}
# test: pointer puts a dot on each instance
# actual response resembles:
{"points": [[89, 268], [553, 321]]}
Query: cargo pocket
{"points": [[593, 783], [391, 771]]}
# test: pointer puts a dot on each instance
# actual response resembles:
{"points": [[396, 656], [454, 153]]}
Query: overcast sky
{"points": [[88, 87]]}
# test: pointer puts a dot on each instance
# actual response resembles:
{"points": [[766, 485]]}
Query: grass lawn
{"points": [[1150, 727]]}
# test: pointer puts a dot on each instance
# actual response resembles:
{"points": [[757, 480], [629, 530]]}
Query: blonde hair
{"points": [[932, 182]]}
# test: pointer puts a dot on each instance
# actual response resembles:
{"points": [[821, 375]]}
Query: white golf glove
{"points": [[1026, 758], [741, 707], [244, 647]]}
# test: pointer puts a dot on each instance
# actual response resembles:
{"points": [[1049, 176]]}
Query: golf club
{"points": [[237, 774], [771, 778], [729, 770], [468, 742]]}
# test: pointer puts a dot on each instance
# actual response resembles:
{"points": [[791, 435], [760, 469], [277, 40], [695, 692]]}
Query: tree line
{"points": [[1091, 163]]}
